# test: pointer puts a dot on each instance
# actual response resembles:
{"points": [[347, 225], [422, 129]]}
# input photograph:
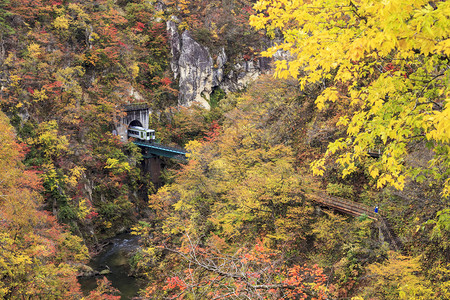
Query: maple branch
{"points": [[423, 90], [234, 268], [355, 11]]}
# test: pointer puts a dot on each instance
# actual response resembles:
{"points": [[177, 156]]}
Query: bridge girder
{"points": [[154, 149]]}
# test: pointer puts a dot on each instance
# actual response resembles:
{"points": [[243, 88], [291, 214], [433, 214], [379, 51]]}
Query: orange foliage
{"points": [[104, 291], [256, 272], [38, 255]]}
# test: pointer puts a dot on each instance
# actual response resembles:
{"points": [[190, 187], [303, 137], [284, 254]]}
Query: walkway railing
{"points": [[342, 205], [356, 209]]}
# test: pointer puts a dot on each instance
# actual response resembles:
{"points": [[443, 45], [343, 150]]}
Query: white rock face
{"points": [[218, 73], [175, 46], [199, 75], [136, 95], [195, 69], [243, 73]]}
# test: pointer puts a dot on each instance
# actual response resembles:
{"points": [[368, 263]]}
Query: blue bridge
{"points": [[155, 149]]}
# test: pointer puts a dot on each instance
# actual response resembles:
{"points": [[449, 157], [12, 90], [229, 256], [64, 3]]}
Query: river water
{"points": [[115, 256]]}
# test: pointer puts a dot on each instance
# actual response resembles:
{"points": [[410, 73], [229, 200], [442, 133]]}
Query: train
{"points": [[141, 133]]}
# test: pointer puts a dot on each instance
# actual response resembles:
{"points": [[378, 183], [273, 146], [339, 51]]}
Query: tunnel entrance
{"points": [[135, 123], [137, 115]]}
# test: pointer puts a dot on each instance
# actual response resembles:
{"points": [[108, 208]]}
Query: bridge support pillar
{"points": [[153, 166]]}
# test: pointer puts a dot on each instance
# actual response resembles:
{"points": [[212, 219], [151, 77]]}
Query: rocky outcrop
{"points": [[199, 75], [195, 71], [175, 46], [242, 74]]}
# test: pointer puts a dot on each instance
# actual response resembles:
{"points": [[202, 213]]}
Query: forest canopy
{"points": [[386, 65], [242, 217]]}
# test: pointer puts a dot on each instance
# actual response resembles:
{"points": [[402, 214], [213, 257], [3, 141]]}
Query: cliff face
{"points": [[195, 71], [199, 75]]}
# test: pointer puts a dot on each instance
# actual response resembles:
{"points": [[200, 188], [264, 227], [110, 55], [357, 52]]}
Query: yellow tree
{"points": [[386, 63], [239, 186], [38, 258]]}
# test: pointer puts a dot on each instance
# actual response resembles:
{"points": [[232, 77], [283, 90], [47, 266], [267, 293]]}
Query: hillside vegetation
{"points": [[237, 219], [66, 68]]}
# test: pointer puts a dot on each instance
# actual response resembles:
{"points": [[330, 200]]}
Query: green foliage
{"points": [[441, 228], [66, 213], [341, 190], [215, 98], [5, 27], [179, 125]]}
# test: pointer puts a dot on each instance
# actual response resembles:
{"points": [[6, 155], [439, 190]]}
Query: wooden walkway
{"points": [[356, 209]]}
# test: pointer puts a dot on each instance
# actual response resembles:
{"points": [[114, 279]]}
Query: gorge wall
{"points": [[199, 74]]}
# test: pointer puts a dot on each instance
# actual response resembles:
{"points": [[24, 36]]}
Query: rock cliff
{"points": [[199, 75]]}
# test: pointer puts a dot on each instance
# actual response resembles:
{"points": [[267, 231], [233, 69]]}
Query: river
{"points": [[115, 256]]}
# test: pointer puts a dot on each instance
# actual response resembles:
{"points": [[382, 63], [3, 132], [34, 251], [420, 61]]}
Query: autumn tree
{"points": [[385, 64], [38, 258], [400, 277], [256, 272], [66, 71], [243, 167], [239, 186], [179, 125]]}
